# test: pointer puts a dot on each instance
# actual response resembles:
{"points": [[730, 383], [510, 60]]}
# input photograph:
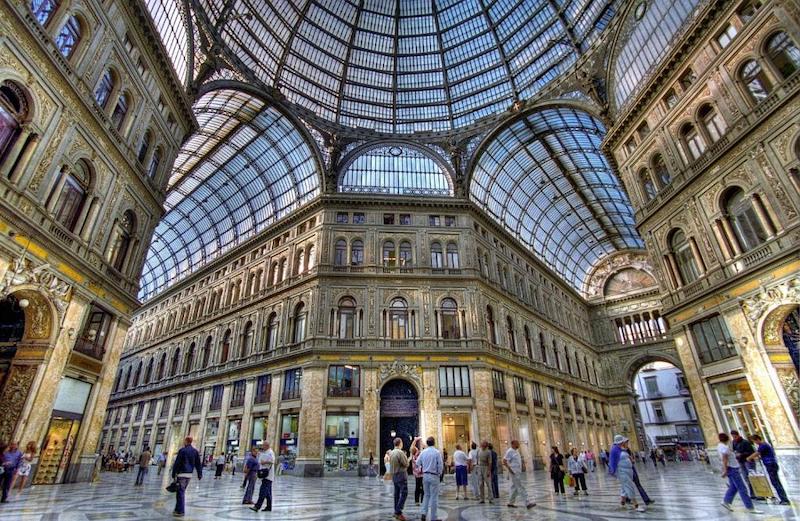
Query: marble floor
{"points": [[685, 491]]}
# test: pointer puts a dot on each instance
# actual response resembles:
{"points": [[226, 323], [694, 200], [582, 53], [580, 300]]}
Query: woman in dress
{"points": [[24, 469], [557, 471]]}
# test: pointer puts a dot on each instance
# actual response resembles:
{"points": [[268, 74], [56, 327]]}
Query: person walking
{"points": [[557, 470], [431, 463], [743, 449], [495, 483], [577, 470], [473, 469], [461, 464], [24, 469], [417, 471], [642, 493], [234, 458], [446, 465], [603, 457], [371, 472], [485, 472], [266, 473], [398, 461], [731, 471], [144, 466], [654, 457], [162, 462], [766, 454], [512, 460], [10, 458], [250, 471], [220, 466], [186, 463], [620, 465]]}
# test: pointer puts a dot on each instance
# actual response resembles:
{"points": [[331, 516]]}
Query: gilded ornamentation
{"points": [[611, 265], [775, 183], [48, 156], [398, 369], [754, 307], [42, 278], [792, 387], [13, 399]]}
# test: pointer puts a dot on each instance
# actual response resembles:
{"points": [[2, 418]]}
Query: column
{"points": [[201, 427], [694, 380], [430, 424], [94, 208], [719, 233], [762, 215], [16, 149], [81, 222], [484, 403], [726, 226], [25, 159], [673, 270], [222, 430], [62, 179], [370, 416], [246, 427], [312, 395], [697, 257]]}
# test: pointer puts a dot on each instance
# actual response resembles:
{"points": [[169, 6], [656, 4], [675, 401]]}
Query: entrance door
{"points": [[57, 450], [399, 415]]}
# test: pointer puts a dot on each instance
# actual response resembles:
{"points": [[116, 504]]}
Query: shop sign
{"points": [[353, 442]]}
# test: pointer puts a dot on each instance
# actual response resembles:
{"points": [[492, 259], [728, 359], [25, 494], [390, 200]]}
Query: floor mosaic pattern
{"points": [[682, 491]]}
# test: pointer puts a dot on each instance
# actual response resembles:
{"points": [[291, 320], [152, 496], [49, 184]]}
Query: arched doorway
{"points": [[666, 416], [780, 334], [399, 415], [790, 334], [12, 329]]}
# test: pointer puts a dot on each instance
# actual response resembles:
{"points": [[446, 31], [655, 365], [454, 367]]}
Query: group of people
{"points": [[15, 467], [572, 473]]}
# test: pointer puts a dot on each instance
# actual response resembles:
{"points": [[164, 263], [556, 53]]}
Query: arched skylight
{"points": [[400, 66], [545, 179], [246, 167], [656, 26], [170, 20], [396, 170]]}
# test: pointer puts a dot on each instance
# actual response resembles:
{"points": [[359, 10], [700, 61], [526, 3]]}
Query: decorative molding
{"points": [[397, 369], [766, 300], [42, 278], [14, 396], [612, 264]]}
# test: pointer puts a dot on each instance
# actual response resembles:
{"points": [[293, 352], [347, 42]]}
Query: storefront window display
{"points": [[259, 431], [739, 408], [456, 430], [232, 444], [158, 447], [210, 440], [341, 443], [288, 443]]}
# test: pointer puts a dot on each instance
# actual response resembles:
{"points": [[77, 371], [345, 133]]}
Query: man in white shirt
{"points": [[513, 462], [461, 463], [730, 471], [266, 472], [432, 465], [473, 469]]}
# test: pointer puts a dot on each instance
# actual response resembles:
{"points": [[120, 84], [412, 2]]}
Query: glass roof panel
{"points": [[545, 179], [171, 23], [246, 167]]}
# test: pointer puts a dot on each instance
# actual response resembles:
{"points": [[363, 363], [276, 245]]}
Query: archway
{"points": [[12, 329], [781, 338], [666, 421], [399, 411]]}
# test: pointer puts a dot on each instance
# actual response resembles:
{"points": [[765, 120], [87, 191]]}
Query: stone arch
{"points": [[770, 336], [635, 364], [41, 315]]}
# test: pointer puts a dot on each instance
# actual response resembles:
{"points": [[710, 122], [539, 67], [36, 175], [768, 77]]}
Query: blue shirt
{"points": [[11, 459], [767, 453], [613, 458], [431, 461], [250, 463]]}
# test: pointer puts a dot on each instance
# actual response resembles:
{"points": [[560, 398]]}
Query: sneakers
{"points": [[641, 508], [785, 503], [728, 506], [530, 505], [510, 505], [754, 511]]}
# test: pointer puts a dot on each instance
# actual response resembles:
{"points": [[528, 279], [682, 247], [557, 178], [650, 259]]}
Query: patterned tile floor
{"points": [[686, 491]]}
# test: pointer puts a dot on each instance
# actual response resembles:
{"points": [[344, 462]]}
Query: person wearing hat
{"points": [[621, 467]]}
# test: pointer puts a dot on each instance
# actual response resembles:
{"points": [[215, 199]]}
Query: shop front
{"points": [[259, 435], [232, 440], [287, 454], [455, 431], [739, 409], [210, 440], [341, 444]]}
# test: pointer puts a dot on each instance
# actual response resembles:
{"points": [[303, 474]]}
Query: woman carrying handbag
{"points": [[557, 471]]}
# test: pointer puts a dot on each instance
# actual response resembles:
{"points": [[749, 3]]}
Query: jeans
{"points": [[517, 489], [5, 482], [400, 480], [772, 472], [264, 493], [736, 484], [418, 489], [495, 486], [430, 501], [580, 482], [180, 495], [140, 475], [250, 479], [745, 470], [640, 488]]}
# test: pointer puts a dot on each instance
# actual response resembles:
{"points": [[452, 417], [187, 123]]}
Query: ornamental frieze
{"points": [[754, 307], [398, 369], [42, 277]]}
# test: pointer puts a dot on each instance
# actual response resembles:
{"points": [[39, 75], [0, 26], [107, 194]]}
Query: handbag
{"points": [[173, 487], [263, 473], [571, 482]]}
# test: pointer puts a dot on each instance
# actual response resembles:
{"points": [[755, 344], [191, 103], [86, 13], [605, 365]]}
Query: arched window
{"points": [[176, 358], [283, 269], [13, 113], [300, 262], [755, 80], [69, 37], [398, 319], [510, 334], [712, 121], [69, 195], [449, 313], [542, 348], [225, 348], [347, 318], [155, 161], [247, 339], [43, 10], [120, 110], [207, 352], [144, 147], [660, 170], [437, 256], [311, 257], [783, 54], [299, 333], [648, 186], [389, 254], [357, 253], [744, 220], [104, 88], [528, 344], [123, 233], [162, 365], [452, 256], [340, 253], [684, 258], [490, 325], [272, 332], [148, 374], [693, 142], [189, 362], [406, 254]]}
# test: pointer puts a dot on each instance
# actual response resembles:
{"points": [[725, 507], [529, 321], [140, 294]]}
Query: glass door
{"points": [[56, 452]]}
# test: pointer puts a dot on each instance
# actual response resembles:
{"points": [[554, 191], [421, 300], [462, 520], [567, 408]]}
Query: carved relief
{"points": [[775, 183], [48, 156], [755, 306], [13, 399], [26, 274], [611, 265], [396, 369]]}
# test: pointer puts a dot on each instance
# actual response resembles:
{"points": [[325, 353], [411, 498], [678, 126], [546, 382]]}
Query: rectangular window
{"points": [[263, 388], [179, 406], [237, 393], [359, 218], [405, 219], [658, 412], [164, 412], [519, 390], [651, 386], [341, 217], [449, 220], [499, 385], [388, 218], [92, 341], [454, 381], [670, 99], [687, 406], [291, 384], [538, 399], [139, 410], [216, 398], [726, 36], [551, 398], [643, 130], [434, 220], [344, 380], [681, 381], [712, 339], [151, 409]]}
